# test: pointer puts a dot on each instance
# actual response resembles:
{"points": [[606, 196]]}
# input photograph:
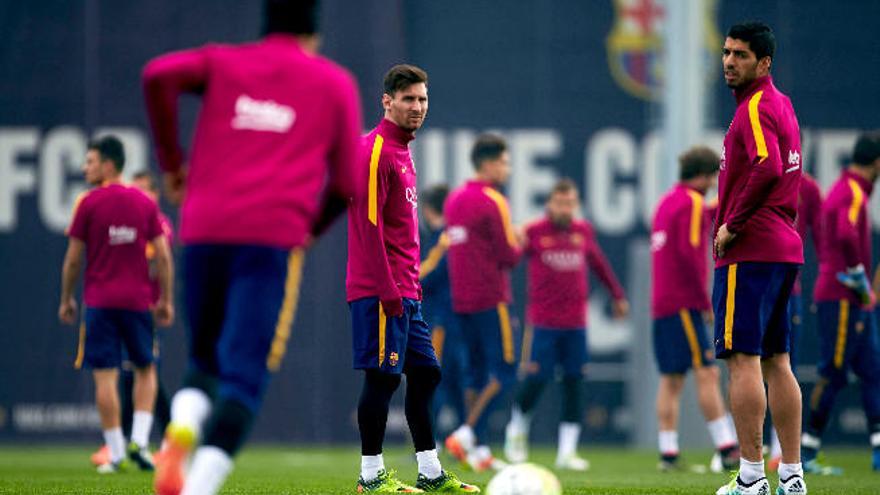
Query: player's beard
{"points": [[561, 221]]}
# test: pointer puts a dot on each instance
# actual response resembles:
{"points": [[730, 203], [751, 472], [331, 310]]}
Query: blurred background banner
{"points": [[575, 86]]}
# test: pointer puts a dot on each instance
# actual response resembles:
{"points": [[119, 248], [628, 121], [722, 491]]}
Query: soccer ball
{"points": [[524, 479]]}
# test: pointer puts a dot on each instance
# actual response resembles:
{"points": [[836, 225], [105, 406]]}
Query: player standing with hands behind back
{"points": [[758, 253]]}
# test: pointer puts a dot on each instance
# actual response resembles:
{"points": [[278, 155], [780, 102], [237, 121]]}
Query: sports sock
{"points": [[116, 442], [572, 408], [190, 407], [775, 446], [371, 465], [750, 471], [719, 430], [429, 464], [465, 435], [141, 423], [228, 426], [421, 382], [529, 392], [810, 445], [519, 421], [668, 443], [568, 439], [210, 467], [786, 471], [373, 409]]}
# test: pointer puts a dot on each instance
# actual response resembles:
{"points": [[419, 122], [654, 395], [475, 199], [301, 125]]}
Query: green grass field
{"points": [[319, 470]]}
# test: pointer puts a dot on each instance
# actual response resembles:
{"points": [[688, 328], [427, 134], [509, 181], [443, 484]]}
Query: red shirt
{"points": [[760, 177], [276, 137], [559, 259], [809, 219], [115, 222], [383, 221], [482, 247], [679, 253], [846, 236]]}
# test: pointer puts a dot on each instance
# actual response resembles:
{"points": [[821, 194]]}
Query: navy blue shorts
{"points": [[545, 349], [390, 344], [241, 302], [489, 337], [107, 332], [751, 308], [681, 343], [847, 340]]}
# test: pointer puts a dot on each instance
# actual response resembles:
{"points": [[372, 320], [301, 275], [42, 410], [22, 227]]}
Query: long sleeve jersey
{"points": [[809, 219]]}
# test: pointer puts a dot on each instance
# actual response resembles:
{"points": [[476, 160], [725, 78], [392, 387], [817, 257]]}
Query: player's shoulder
{"points": [[584, 226]]}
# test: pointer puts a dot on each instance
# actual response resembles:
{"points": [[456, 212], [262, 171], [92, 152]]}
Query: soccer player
{"points": [[680, 305], [847, 329], [758, 253], [561, 250], [483, 247], [389, 334], [437, 306], [111, 227], [271, 165]]}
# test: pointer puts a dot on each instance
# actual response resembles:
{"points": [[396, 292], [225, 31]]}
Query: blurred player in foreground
{"points": [[847, 329], [483, 247], [561, 249], [271, 164], [680, 306], [111, 227], [758, 254]]}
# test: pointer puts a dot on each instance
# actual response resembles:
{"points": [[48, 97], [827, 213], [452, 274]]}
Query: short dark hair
{"points": [[487, 147], [110, 148], [758, 35], [867, 148], [144, 174], [435, 196], [290, 16], [697, 161], [403, 76], [563, 186]]}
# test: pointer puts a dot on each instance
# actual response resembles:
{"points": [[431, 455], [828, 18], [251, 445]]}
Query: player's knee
{"points": [[385, 383]]}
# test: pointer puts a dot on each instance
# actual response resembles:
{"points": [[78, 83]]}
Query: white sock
{"points": [[775, 446], [568, 439], [429, 464], [190, 407], [875, 440], [519, 421], [209, 469], [668, 442], [722, 435], [465, 435], [750, 471], [786, 471], [370, 466], [810, 442], [114, 439], [141, 423]]}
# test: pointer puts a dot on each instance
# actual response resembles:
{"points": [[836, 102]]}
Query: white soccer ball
{"points": [[524, 479]]}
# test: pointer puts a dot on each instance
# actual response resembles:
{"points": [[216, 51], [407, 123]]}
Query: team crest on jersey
{"points": [[393, 358], [577, 239], [546, 241], [635, 45]]}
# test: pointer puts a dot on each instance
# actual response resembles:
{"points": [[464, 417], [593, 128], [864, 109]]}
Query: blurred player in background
{"points": [[483, 247], [271, 164], [680, 307], [561, 249], [758, 254], [437, 308], [389, 334], [847, 329], [111, 227], [808, 224]]}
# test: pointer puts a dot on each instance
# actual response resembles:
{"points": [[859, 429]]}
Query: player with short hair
{"points": [[483, 247], [848, 338], [111, 227], [560, 249], [758, 253], [680, 307], [389, 334], [271, 166]]}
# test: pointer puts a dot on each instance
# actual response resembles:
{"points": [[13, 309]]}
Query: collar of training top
{"points": [[392, 131], [759, 83]]}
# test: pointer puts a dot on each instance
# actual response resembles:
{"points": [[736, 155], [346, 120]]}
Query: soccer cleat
{"points": [[101, 456], [736, 487], [516, 448], [817, 466], [141, 457], [572, 463], [794, 485], [456, 448], [446, 483], [113, 467], [480, 459], [730, 458], [670, 463], [385, 482], [179, 441]]}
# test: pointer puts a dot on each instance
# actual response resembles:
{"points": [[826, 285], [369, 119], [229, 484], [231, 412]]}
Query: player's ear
{"points": [[386, 101]]}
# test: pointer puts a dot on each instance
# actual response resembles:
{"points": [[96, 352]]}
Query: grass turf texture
{"points": [[320, 470]]}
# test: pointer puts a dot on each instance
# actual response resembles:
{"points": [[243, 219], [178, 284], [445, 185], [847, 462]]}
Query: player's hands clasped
{"points": [[722, 240], [67, 311]]}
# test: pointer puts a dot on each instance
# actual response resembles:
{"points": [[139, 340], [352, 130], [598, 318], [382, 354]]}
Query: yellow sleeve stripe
{"points": [[434, 256], [372, 205], [696, 217], [755, 119], [857, 200], [501, 203]]}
